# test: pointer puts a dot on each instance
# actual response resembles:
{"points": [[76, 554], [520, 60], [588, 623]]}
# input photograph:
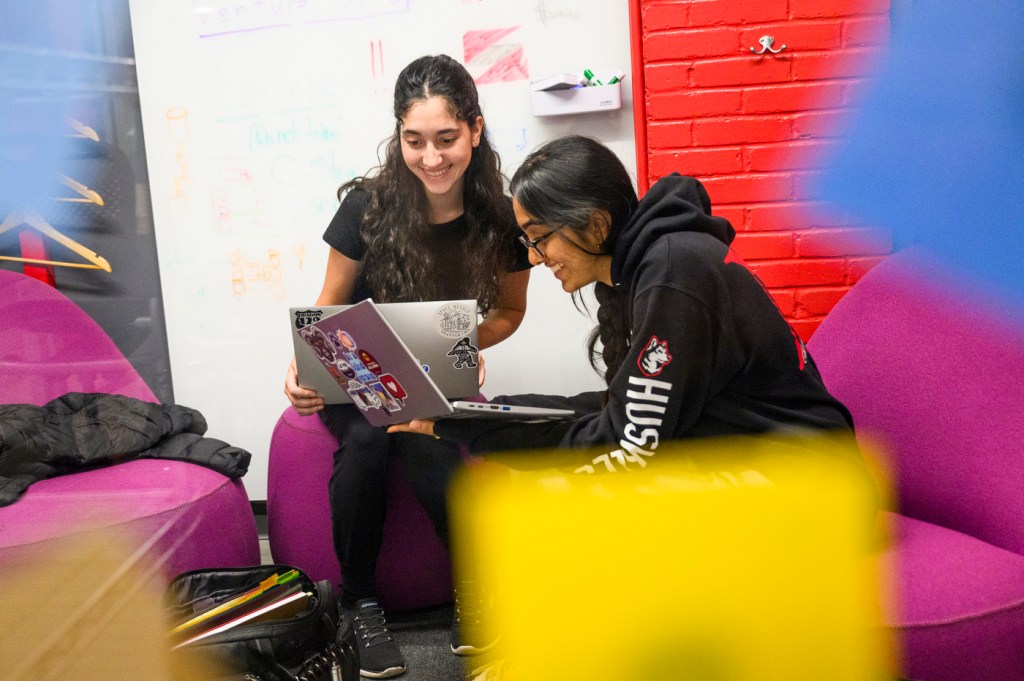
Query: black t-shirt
{"points": [[448, 242]]}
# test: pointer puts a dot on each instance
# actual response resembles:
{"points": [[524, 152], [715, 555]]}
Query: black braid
{"points": [[612, 331]]}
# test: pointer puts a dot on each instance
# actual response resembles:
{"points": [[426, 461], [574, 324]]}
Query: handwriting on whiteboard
{"points": [[178, 134], [259, 280], [218, 18], [545, 13]]}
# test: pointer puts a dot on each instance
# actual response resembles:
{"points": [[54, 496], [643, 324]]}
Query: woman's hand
{"points": [[305, 401], [421, 426], [481, 370]]}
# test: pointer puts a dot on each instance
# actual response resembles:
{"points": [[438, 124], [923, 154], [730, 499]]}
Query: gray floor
{"points": [[423, 638]]}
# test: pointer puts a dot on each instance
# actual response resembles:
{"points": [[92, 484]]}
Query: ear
{"points": [[477, 130], [600, 225]]}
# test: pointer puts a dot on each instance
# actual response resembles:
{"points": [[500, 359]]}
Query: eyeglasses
{"points": [[534, 244]]}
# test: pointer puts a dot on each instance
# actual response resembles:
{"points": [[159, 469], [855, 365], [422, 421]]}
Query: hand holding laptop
{"points": [[306, 401], [419, 426]]}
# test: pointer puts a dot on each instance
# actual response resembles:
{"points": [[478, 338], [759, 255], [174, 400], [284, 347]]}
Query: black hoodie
{"points": [[710, 352]]}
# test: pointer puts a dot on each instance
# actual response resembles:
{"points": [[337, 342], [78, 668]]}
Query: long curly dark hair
{"points": [[561, 184], [397, 217]]}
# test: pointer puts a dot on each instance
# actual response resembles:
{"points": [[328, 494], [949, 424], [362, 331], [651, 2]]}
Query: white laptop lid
{"points": [[440, 334]]}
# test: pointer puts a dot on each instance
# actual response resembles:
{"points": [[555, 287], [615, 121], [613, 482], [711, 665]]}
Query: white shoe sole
{"points": [[464, 650], [386, 674]]}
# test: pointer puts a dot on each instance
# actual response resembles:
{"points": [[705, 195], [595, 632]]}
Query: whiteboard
{"points": [[255, 111]]}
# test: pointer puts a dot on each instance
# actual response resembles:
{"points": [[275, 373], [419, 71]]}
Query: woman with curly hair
{"points": [[431, 223]]}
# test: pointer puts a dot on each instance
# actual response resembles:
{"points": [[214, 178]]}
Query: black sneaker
{"points": [[472, 630], [379, 656]]}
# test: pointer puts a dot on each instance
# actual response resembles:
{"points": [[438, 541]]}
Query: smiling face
{"points": [[565, 251], [437, 148]]}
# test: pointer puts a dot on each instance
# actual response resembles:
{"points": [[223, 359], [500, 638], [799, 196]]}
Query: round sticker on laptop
{"points": [[454, 320]]}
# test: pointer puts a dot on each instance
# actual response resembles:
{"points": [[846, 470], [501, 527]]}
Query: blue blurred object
{"points": [[41, 73], [936, 152]]}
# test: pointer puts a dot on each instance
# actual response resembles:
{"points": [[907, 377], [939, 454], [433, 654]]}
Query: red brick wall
{"points": [[755, 129]]}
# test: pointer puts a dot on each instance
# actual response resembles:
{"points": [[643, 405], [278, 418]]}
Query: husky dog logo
{"points": [[654, 357], [319, 342]]}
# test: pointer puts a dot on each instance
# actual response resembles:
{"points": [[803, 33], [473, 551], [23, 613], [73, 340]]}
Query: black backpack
{"points": [[316, 644]]}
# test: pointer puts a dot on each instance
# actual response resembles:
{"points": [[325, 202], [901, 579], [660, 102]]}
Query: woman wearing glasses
{"points": [[692, 344], [431, 223]]}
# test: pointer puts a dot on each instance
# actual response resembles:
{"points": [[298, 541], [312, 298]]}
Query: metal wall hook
{"points": [[766, 42]]}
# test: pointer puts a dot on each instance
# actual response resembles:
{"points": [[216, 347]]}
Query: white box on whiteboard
{"points": [[559, 81], [577, 100]]}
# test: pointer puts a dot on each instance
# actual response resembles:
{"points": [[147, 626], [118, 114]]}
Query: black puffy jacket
{"points": [[80, 431]]}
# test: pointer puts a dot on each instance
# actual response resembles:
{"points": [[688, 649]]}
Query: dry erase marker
{"points": [[619, 75], [589, 75]]}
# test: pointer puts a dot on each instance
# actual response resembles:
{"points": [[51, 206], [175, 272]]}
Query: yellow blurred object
{"points": [[92, 611], [733, 560]]}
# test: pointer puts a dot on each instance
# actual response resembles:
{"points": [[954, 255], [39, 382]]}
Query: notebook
{"points": [[362, 353]]}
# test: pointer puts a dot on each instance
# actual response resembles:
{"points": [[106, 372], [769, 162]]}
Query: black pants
{"points": [[358, 489]]}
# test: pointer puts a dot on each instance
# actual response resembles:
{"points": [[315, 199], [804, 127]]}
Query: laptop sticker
{"points": [[304, 318], [356, 370], [454, 320], [465, 354]]}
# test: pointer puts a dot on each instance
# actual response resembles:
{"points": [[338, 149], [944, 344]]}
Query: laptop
{"points": [[440, 334], [362, 353]]}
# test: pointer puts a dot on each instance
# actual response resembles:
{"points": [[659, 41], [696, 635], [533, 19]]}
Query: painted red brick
{"points": [[666, 77], [765, 245], [736, 215], [693, 103], [659, 16], [775, 216], [746, 188], [856, 268], [785, 300], [813, 9], [814, 302], [696, 162], [801, 272], [794, 97], [702, 42], [711, 104], [714, 12], [744, 70], [843, 241], [818, 124], [718, 131], [672, 135], [786, 155]]}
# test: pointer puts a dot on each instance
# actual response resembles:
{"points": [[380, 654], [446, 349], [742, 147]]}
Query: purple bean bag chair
{"points": [[185, 515], [413, 569], [939, 384]]}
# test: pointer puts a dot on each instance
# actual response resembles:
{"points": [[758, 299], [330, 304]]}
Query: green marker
{"points": [[589, 75], [619, 75]]}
